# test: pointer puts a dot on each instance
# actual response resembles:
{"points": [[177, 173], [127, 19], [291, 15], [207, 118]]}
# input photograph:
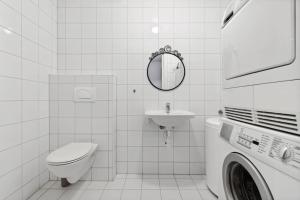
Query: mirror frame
{"points": [[166, 50]]}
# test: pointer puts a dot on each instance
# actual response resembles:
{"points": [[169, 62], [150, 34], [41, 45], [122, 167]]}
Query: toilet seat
{"points": [[68, 154], [66, 163]]}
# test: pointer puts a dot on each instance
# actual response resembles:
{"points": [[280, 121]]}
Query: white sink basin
{"points": [[169, 120]]}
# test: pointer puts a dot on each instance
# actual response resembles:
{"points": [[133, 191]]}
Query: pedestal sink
{"points": [[169, 120]]}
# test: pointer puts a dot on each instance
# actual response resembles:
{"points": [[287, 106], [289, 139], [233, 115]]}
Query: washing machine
{"points": [[257, 164]]}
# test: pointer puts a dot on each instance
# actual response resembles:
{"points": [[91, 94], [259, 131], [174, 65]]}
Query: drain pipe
{"points": [[166, 133]]}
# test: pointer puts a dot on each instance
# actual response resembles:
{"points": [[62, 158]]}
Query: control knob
{"points": [[285, 153]]}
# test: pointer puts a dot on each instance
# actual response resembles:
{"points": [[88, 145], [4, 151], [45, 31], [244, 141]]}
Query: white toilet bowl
{"points": [[72, 161]]}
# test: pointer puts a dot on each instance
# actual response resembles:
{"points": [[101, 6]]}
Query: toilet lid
{"points": [[69, 152]]}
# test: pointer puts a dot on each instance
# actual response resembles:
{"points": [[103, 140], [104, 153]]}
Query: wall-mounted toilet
{"points": [[71, 161]]}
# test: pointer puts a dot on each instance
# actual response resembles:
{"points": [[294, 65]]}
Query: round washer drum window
{"points": [[242, 181], [242, 184]]}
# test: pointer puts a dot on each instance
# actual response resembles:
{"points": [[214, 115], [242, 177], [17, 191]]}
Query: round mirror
{"points": [[166, 70]]}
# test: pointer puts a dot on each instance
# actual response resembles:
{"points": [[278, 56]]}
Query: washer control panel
{"points": [[285, 151], [246, 140], [279, 150]]}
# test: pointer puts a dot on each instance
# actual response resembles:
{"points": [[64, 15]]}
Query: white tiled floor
{"points": [[130, 187]]}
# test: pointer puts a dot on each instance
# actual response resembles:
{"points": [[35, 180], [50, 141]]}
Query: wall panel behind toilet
{"points": [[85, 121]]}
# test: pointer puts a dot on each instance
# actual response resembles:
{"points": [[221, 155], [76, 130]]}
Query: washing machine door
{"points": [[242, 181]]}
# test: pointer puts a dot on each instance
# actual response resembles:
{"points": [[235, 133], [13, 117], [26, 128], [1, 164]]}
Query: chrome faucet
{"points": [[168, 108]]}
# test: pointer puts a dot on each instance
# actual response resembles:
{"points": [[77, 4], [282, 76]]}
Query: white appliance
{"points": [[261, 63], [256, 163], [212, 133]]}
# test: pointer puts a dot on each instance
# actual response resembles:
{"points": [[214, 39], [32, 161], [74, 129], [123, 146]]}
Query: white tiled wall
{"points": [[119, 36], [94, 121], [104, 35], [28, 52]]}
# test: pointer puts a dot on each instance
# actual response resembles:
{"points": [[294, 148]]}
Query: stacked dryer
{"points": [[261, 63]]}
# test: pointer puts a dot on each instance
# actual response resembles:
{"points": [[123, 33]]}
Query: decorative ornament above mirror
{"points": [[166, 70]]}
